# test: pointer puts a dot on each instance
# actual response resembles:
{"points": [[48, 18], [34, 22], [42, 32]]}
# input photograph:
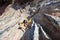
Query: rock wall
{"points": [[9, 23]]}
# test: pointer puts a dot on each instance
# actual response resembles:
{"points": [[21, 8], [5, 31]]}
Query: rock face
{"points": [[9, 23]]}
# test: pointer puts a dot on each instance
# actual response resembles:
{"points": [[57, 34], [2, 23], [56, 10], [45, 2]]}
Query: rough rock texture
{"points": [[9, 23]]}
